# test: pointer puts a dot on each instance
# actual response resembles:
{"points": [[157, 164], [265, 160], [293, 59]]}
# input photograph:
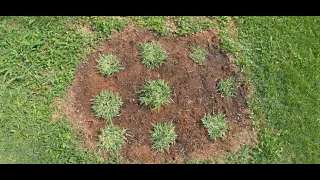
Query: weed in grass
{"points": [[109, 64], [216, 126], [155, 93], [153, 55], [198, 55], [162, 136], [106, 105], [227, 88], [112, 138]]}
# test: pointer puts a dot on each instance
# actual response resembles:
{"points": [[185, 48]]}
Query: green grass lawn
{"points": [[37, 61], [280, 56]]}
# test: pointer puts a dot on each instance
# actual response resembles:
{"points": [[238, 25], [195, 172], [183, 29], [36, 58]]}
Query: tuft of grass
{"points": [[153, 55], [189, 24], [106, 105], [155, 23], [162, 136], [112, 138], [198, 55], [155, 93], [227, 88], [216, 126], [109, 64]]}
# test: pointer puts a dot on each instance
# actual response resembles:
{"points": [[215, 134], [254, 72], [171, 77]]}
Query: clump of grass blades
{"points": [[155, 93], [162, 136], [227, 88], [198, 55], [106, 105], [153, 55], [216, 126], [109, 64], [112, 138]]}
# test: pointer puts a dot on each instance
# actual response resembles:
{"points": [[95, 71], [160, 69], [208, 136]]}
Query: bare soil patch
{"points": [[194, 93]]}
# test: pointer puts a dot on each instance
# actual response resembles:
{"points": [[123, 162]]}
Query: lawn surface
{"points": [[280, 56], [37, 60]]}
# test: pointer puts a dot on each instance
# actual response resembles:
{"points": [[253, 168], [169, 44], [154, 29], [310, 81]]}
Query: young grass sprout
{"points": [[106, 105], [112, 138], [162, 136], [198, 55], [109, 65], [227, 88], [155, 93], [216, 126], [153, 55]]}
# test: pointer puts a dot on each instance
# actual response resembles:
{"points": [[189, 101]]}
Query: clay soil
{"points": [[194, 93]]}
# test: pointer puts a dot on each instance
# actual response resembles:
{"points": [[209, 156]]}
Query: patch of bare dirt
{"points": [[194, 93]]}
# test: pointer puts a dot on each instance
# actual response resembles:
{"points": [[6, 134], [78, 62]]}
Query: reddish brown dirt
{"points": [[194, 93]]}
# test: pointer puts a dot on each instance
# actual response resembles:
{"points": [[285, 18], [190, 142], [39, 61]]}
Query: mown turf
{"points": [[281, 55], [181, 25], [38, 56], [187, 25], [105, 26]]}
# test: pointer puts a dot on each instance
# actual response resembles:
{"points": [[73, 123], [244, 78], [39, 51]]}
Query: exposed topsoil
{"points": [[194, 93]]}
